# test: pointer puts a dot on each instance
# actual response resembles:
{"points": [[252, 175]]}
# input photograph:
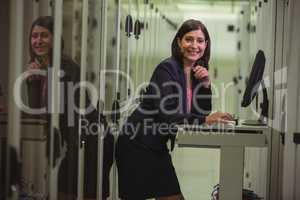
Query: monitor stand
{"points": [[262, 120]]}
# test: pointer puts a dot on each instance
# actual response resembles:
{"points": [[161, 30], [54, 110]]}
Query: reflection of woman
{"points": [[179, 91], [41, 47]]}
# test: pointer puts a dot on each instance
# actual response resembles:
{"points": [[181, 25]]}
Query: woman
{"points": [[41, 49], [179, 92]]}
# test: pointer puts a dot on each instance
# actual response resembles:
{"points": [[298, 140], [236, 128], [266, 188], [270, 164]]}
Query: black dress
{"points": [[145, 168]]}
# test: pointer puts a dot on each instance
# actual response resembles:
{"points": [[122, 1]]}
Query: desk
{"points": [[231, 141], [33, 155]]}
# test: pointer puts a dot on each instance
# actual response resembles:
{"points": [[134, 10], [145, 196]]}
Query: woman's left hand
{"points": [[201, 74]]}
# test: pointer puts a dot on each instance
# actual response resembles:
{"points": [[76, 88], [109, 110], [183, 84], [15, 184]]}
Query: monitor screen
{"points": [[255, 78]]}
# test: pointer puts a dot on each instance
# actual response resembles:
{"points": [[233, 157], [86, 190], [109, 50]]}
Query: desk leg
{"points": [[231, 172]]}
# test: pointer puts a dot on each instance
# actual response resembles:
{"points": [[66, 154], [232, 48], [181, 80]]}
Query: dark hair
{"points": [[187, 26], [45, 22]]}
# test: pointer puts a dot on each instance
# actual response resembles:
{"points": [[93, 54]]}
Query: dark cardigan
{"points": [[150, 125]]}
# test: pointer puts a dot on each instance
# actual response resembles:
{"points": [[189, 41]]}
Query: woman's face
{"points": [[192, 46], [41, 41]]}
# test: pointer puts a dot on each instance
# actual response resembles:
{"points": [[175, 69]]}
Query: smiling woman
{"points": [[179, 92], [41, 41], [41, 50], [192, 45]]}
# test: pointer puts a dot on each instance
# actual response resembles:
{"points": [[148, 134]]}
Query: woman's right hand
{"points": [[33, 66], [218, 117]]}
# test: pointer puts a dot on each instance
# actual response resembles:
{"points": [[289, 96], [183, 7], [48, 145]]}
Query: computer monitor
{"points": [[254, 81]]}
